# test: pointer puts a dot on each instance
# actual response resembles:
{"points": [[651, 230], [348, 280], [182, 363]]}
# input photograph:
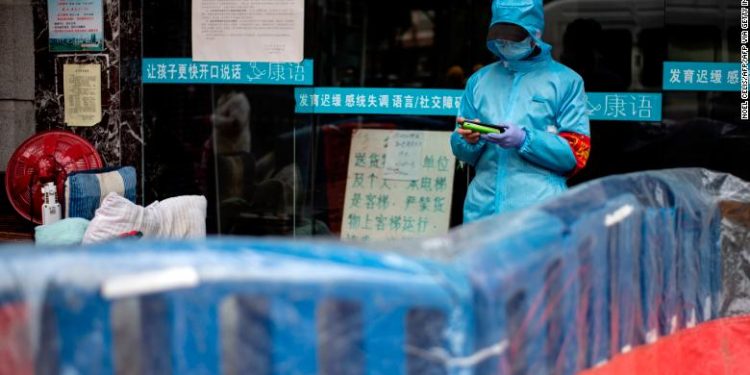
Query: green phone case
{"points": [[480, 128]]}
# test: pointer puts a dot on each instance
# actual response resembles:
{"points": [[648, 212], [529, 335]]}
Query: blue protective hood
{"points": [[528, 14]]}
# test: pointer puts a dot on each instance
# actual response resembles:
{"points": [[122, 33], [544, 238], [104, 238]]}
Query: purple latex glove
{"points": [[513, 137]]}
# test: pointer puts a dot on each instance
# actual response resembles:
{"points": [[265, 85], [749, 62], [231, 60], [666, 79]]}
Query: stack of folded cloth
{"points": [[65, 232], [106, 197], [181, 217]]}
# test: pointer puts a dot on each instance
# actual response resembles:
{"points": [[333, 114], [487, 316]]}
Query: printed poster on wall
{"points": [[76, 25], [248, 30], [378, 207], [82, 93]]}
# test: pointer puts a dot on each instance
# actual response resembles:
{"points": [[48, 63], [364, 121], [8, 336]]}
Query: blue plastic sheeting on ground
{"points": [[555, 289]]}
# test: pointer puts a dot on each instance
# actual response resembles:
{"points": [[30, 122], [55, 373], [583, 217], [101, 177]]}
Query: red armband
{"points": [[581, 146]]}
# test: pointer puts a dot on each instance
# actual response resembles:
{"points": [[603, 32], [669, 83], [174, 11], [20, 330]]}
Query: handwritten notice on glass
{"points": [[402, 157], [417, 203]]}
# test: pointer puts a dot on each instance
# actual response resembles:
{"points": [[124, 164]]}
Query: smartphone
{"points": [[482, 128]]}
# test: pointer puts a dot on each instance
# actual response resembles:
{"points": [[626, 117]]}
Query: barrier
{"points": [[596, 278], [269, 307]]}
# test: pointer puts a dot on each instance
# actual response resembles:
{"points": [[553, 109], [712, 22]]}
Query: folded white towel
{"points": [[181, 217], [173, 218]]}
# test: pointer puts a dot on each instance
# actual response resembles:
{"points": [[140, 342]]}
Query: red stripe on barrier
{"points": [[15, 348], [717, 347]]}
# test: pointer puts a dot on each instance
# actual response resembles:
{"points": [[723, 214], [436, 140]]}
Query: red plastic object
{"points": [[15, 349], [717, 347], [45, 157]]}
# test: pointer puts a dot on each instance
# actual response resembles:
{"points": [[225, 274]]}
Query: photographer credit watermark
{"points": [[744, 107]]}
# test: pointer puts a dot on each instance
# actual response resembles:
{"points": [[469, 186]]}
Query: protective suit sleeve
{"points": [[463, 150], [568, 151]]}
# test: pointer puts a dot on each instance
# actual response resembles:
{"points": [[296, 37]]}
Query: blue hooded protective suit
{"points": [[541, 96]]}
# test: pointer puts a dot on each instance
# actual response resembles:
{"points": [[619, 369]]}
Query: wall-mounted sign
{"points": [[624, 106], [701, 76], [378, 101], [75, 25], [187, 71]]}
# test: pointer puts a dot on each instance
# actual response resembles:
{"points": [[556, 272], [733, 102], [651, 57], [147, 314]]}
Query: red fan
{"points": [[45, 157]]}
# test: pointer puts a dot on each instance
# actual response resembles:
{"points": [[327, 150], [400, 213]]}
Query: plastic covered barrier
{"points": [[613, 265], [613, 275], [237, 307]]}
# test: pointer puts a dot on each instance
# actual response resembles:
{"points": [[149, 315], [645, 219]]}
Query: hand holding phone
{"points": [[482, 128]]}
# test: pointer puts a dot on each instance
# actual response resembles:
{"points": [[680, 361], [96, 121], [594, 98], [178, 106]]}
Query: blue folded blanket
{"points": [[84, 191], [62, 233]]}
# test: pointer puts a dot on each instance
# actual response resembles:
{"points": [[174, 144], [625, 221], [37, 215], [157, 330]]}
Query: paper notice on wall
{"points": [[248, 30], [379, 208], [82, 90]]}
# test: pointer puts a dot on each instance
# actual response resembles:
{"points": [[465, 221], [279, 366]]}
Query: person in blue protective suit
{"points": [[541, 103]]}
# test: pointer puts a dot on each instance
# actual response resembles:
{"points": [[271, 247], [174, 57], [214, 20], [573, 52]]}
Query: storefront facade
{"points": [[270, 145]]}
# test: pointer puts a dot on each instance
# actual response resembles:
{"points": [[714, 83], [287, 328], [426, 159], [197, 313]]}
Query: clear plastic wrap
{"points": [[615, 265]]}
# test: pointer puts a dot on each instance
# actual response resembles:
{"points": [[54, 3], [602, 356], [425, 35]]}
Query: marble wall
{"points": [[119, 136]]}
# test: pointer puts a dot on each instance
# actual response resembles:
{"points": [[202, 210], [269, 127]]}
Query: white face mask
{"points": [[511, 51]]}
